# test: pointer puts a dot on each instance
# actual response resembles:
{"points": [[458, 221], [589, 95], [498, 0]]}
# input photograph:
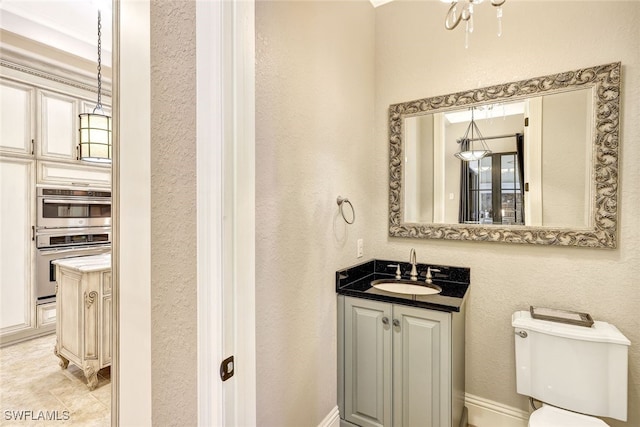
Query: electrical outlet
{"points": [[360, 252]]}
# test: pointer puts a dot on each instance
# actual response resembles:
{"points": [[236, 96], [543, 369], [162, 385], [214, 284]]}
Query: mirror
{"points": [[550, 177]]}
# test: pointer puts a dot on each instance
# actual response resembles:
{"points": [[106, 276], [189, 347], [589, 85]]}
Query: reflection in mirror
{"points": [[492, 190], [550, 176]]}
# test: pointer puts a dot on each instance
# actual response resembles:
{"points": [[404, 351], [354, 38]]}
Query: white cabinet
{"points": [[84, 327], [17, 217], [17, 124], [41, 119], [39, 110], [400, 366], [58, 129]]}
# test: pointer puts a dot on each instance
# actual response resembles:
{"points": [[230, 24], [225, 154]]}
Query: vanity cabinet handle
{"points": [[385, 320], [396, 323]]}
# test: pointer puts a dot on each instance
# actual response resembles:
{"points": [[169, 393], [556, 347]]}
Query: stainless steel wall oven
{"points": [[62, 207], [71, 222]]}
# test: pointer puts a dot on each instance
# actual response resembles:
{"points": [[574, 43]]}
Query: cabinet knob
{"points": [[396, 323], [385, 320]]}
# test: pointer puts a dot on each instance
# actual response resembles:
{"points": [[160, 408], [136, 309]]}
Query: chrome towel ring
{"points": [[341, 201]]}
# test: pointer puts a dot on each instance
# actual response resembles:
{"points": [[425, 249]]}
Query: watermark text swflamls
{"points": [[33, 415]]}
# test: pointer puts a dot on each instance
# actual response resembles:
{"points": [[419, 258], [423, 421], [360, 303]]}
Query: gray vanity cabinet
{"points": [[395, 365]]}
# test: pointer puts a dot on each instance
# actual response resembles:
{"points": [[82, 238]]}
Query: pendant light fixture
{"points": [[95, 127], [474, 147]]}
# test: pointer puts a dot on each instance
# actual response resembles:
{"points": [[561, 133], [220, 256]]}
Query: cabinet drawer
{"points": [[71, 174], [46, 314]]}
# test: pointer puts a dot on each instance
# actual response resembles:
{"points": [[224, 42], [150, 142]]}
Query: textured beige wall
{"points": [[416, 57], [173, 214], [314, 135]]}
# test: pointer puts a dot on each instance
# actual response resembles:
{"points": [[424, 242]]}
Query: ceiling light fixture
{"points": [[468, 147], [95, 127], [462, 10]]}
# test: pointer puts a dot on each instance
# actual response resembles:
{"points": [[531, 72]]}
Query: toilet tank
{"points": [[582, 369]]}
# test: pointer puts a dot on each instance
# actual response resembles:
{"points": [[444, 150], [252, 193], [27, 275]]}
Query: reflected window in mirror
{"points": [[493, 191]]}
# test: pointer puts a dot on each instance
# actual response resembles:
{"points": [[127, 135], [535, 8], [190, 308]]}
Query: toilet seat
{"points": [[550, 416]]}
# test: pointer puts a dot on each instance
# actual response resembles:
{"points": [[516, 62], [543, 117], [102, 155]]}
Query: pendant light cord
{"points": [[99, 104]]}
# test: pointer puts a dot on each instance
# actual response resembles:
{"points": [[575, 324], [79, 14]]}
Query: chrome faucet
{"points": [[412, 260]]}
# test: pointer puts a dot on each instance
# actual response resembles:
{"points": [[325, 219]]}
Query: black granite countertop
{"points": [[355, 281]]}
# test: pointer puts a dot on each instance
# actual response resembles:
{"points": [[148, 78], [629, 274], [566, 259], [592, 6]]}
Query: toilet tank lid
{"points": [[599, 332]]}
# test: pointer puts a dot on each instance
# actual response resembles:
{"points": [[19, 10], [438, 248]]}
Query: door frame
{"points": [[225, 33], [225, 46]]}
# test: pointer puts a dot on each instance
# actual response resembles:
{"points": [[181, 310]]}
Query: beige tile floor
{"points": [[32, 380]]}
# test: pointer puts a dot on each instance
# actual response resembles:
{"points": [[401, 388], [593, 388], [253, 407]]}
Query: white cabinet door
{"points": [[17, 206], [17, 126], [367, 362], [58, 135], [421, 367]]}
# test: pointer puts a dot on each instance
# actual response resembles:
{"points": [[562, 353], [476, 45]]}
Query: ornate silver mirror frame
{"points": [[605, 81]]}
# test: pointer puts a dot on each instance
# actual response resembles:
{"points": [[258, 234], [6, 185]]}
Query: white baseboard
{"points": [[482, 413], [332, 419], [487, 413]]}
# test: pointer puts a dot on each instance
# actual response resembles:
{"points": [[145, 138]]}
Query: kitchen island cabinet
{"points": [[83, 299]]}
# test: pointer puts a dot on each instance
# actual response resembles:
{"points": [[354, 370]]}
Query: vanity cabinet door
{"points": [[421, 367], [367, 362]]}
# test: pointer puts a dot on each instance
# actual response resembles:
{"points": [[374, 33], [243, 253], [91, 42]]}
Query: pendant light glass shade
{"points": [[471, 155], [473, 146], [95, 137], [95, 127]]}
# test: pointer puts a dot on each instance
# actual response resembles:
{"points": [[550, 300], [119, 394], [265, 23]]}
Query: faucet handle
{"points": [[429, 276], [398, 272]]}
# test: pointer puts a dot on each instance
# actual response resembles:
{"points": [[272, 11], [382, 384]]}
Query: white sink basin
{"points": [[406, 287]]}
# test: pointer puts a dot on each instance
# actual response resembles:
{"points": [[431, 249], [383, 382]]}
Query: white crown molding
{"points": [[25, 56]]}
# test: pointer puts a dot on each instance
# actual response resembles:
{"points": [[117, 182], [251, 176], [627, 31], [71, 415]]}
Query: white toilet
{"points": [[578, 372]]}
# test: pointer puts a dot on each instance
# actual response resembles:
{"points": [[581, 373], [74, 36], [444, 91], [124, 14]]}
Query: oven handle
{"points": [[77, 201], [76, 249]]}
